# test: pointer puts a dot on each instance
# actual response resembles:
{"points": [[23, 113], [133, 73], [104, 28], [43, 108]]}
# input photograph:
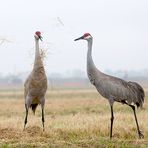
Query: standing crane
{"points": [[113, 88], [36, 83]]}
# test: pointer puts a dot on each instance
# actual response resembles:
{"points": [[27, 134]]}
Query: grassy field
{"points": [[73, 118]]}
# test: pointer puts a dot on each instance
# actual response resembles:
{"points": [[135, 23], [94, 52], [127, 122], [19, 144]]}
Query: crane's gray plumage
{"points": [[113, 88], [36, 83]]}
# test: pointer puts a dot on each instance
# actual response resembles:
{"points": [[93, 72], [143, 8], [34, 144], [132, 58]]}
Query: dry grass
{"points": [[74, 118]]}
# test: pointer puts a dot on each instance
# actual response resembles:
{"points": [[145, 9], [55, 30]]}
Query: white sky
{"points": [[119, 29]]}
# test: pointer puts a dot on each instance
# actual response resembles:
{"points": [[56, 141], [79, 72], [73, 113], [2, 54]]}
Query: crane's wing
{"points": [[120, 90]]}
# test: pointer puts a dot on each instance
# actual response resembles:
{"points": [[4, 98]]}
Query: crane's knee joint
{"points": [[132, 106], [112, 118]]}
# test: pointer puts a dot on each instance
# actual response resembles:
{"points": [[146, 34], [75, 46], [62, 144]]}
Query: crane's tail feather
{"points": [[140, 93], [33, 107]]}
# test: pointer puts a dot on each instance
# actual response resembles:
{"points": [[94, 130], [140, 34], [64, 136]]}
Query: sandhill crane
{"points": [[113, 88], [36, 83]]}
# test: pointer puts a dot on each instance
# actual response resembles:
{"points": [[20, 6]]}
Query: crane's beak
{"points": [[82, 37], [41, 38]]}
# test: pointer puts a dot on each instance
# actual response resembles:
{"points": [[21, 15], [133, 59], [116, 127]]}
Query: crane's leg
{"points": [[112, 119], [42, 107], [25, 122], [43, 120], [27, 105], [111, 101], [139, 132]]}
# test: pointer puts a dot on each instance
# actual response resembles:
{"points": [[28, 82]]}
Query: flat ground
{"points": [[73, 118]]}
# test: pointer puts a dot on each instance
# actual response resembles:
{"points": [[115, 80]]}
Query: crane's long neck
{"points": [[90, 63], [91, 68], [38, 61]]}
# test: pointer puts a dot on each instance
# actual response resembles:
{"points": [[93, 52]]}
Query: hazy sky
{"points": [[119, 29]]}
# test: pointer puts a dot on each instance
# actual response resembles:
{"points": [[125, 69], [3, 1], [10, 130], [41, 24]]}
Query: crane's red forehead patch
{"points": [[38, 33], [86, 34]]}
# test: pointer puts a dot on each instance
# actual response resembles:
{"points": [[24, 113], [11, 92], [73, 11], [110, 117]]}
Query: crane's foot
{"points": [[43, 126], [24, 128], [140, 135]]}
